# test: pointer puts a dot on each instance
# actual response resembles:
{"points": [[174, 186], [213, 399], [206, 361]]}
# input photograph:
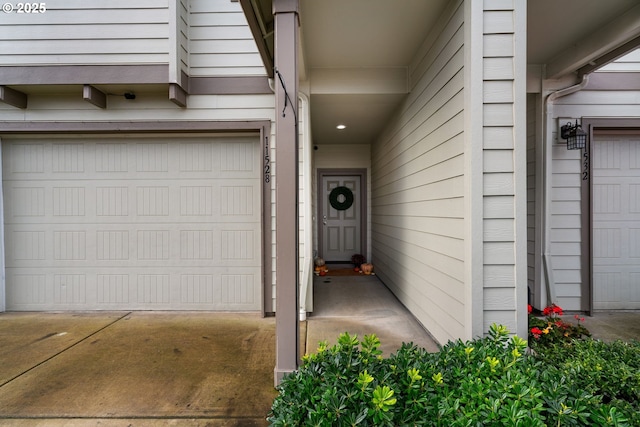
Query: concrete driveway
{"points": [[189, 368], [138, 369]]}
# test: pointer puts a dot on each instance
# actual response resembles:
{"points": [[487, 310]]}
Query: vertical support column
{"points": [[520, 164], [3, 282], [474, 163], [286, 85]]}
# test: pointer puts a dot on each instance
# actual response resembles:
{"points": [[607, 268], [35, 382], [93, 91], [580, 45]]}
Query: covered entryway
{"points": [[132, 223], [616, 220]]}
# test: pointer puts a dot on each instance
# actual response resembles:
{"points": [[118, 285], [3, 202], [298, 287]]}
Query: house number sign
{"points": [[267, 161], [585, 165]]}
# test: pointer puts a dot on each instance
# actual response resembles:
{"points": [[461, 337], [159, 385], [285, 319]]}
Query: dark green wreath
{"points": [[348, 198]]}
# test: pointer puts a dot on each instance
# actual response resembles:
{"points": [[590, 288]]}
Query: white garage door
{"points": [[616, 222], [140, 224]]}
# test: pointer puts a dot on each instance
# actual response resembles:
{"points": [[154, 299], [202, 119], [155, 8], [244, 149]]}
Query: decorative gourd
{"points": [[367, 268]]}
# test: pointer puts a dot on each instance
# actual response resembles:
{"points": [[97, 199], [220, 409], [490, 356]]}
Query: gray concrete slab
{"points": [[362, 305], [29, 339], [614, 325], [153, 367]]}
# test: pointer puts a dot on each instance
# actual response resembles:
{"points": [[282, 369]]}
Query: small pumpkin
{"points": [[367, 268]]}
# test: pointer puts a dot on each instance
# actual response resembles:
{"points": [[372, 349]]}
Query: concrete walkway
{"points": [[184, 369]]}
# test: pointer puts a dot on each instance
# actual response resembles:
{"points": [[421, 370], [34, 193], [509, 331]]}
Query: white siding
{"points": [[531, 190], [504, 165], [419, 204], [220, 41], [182, 38], [197, 37], [87, 32], [417, 188]]}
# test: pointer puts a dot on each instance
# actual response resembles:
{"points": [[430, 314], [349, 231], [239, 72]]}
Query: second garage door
{"points": [[134, 224], [616, 222]]}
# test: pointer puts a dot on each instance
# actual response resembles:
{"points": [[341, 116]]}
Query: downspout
{"points": [[306, 278], [546, 176]]}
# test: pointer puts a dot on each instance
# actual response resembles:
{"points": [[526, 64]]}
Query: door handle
{"points": [[324, 219]]}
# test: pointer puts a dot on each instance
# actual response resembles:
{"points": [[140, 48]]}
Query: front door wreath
{"points": [[335, 199]]}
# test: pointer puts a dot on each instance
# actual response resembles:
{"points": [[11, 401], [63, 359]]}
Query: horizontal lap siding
{"points": [[565, 233], [531, 193], [182, 32], [500, 300], [418, 187], [84, 32], [220, 41], [197, 37]]}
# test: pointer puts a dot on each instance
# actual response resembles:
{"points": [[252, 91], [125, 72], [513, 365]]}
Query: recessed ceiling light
{"points": [[341, 127]]}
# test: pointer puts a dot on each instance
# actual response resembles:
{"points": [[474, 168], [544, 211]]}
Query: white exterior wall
{"points": [[504, 166], [220, 41], [445, 192], [417, 187], [197, 37], [531, 191], [88, 32], [565, 226]]}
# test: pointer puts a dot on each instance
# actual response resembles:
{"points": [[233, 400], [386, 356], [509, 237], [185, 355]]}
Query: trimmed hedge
{"points": [[490, 381]]}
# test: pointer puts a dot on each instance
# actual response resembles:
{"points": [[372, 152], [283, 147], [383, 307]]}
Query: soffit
{"points": [[379, 36]]}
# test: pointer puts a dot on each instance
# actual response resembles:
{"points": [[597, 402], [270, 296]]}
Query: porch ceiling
{"points": [[355, 54]]}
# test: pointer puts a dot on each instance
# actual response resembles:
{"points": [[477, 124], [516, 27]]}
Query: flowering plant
{"points": [[552, 328]]}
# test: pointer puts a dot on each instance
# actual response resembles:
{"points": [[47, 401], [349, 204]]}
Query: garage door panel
{"points": [[113, 289], [616, 222], [232, 246], [150, 224]]}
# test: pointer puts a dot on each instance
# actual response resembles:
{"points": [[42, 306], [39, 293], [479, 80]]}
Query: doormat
{"points": [[342, 272]]}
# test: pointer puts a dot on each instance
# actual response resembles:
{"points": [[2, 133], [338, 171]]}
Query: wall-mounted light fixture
{"points": [[575, 136]]}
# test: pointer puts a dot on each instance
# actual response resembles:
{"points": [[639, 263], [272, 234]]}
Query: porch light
{"points": [[575, 136]]}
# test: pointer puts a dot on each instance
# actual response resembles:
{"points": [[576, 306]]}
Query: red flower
{"points": [[529, 308], [536, 332], [553, 309]]}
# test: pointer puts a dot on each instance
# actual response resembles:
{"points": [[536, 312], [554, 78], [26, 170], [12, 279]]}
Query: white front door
{"points": [[616, 222], [341, 221]]}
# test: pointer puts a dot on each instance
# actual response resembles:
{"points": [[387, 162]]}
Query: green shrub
{"points": [[489, 381]]}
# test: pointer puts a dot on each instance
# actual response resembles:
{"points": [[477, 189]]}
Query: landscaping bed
{"points": [[565, 378]]}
